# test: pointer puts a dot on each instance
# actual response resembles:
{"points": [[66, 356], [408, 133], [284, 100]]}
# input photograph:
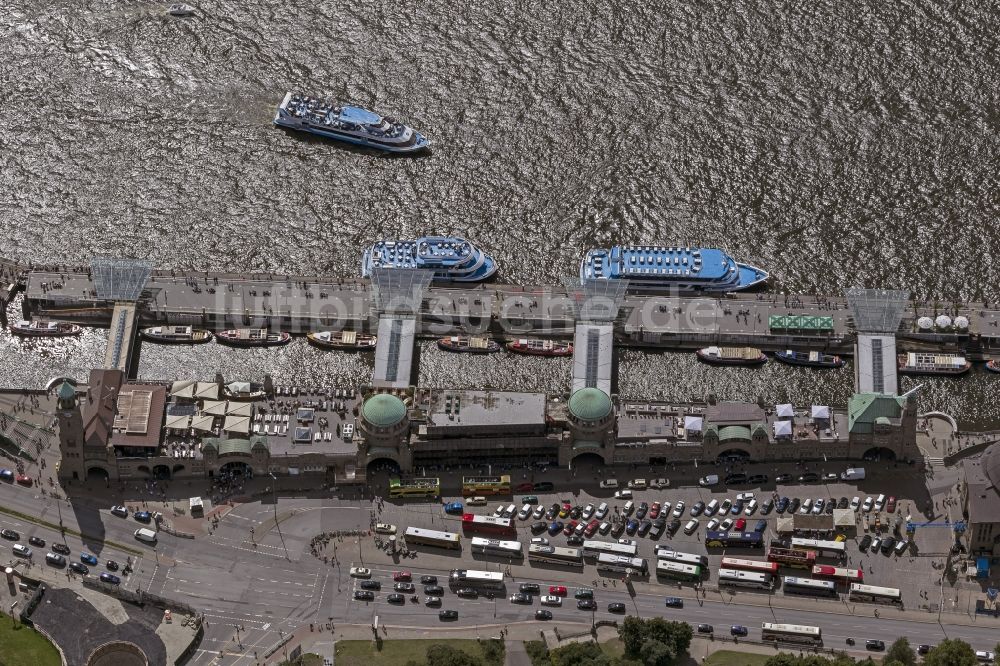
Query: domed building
{"points": [[384, 430], [591, 423], [980, 489]]}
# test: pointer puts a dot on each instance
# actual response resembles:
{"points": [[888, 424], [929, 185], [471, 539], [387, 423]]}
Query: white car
{"points": [[665, 509], [818, 506], [539, 541], [623, 494], [869, 503], [985, 656], [588, 511], [879, 502], [608, 484], [855, 503], [525, 512], [712, 524], [628, 542], [726, 524], [360, 572], [602, 511], [499, 510], [637, 484], [807, 505], [712, 507], [21, 550], [476, 501], [691, 526], [678, 510], [751, 507], [604, 528], [628, 508], [581, 527], [538, 512], [744, 497], [551, 600], [659, 484], [385, 528]]}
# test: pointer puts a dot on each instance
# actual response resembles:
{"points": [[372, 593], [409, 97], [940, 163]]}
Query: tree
{"points": [[631, 634], [951, 652], [900, 651], [445, 655], [493, 651], [634, 632], [579, 654], [656, 653]]}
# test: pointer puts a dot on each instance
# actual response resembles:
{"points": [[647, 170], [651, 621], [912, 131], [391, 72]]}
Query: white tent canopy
{"points": [[214, 407], [240, 408], [924, 323], [207, 391], [943, 321], [785, 411], [182, 389], [177, 422], [782, 428], [202, 422], [961, 322], [820, 412], [693, 423], [240, 424]]}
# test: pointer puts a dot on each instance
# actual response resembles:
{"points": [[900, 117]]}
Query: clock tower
{"points": [[70, 433]]}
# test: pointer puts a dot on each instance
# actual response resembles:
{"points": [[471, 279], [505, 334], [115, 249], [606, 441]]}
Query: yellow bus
{"points": [[485, 485], [426, 487]]}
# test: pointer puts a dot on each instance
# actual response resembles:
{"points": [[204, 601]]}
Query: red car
{"points": [[740, 524], [558, 590], [570, 526], [566, 508], [890, 504], [654, 510], [401, 576], [26, 480], [591, 528], [525, 487]]}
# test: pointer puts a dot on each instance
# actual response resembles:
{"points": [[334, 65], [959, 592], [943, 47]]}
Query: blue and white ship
{"points": [[352, 124], [452, 259], [665, 268]]}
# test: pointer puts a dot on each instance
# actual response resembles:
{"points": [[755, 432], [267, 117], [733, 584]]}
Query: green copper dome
{"points": [[383, 410], [66, 391], [589, 404]]}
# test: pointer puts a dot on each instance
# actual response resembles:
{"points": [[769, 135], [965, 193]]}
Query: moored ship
{"points": [[540, 347], [451, 258], [343, 340], [917, 363], [475, 344], [732, 356], [811, 359], [252, 337], [176, 335], [351, 124], [665, 268], [993, 365], [44, 329]]}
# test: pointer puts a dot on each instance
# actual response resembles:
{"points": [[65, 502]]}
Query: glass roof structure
{"points": [[877, 310], [399, 290], [119, 279]]}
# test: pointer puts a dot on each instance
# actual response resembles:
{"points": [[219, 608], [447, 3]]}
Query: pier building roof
{"points": [[982, 478], [735, 413], [452, 413], [383, 410], [864, 411], [589, 404]]}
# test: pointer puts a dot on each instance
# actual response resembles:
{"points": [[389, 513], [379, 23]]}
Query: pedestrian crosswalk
{"points": [[934, 461]]}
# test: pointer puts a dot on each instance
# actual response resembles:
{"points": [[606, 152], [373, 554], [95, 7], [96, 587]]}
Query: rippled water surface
{"points": [[833, 143]]}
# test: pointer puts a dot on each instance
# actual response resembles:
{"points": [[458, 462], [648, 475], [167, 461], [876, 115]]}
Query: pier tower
{"points": [[384, 430], [70, 422], [877, 314], [397, 295], [121, 282]]}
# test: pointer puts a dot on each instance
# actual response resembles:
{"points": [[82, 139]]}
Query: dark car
{"points": [[888, 544], [544, 486], [874, 644], [448, 615], [830, 506], [542, 614], [87, 558], [645, 526], [539, 527], [631, 527], [809, 477], [404, 587], [111, 579], [674, 525], [555, 527], [641, 512], [737, 508], [520, 598], [843, 503], [706, 629], [530, 588], [364, 595], [766, 506], [735, 479], [575, 513], [529, 499], [428, 580], [371, 585], [575, 540], [454, 508], [468, 592], [586, 604], [552, 512], [36, 541], [583, 593], [61, 548], [866, 541], [55, 559], [675, 602], [760, 526], [738, 630], [433, 590], [923, 648], [616, 607], [79, 568], [781, 505], [756, 479], [525, 487], [782, 478], [658, 526], [793, 506], [697, 509], [111, 565], [10, 534], [396, 598], [143, 516]]}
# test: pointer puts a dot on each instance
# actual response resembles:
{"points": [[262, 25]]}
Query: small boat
{"points": [[916, 363], [345, 340], [180, 9], [810, 359], [243, 391], [993, 365], [539, 347], [44, 329], [252, 337], [476, 344], [176, 335], [732, 356]]}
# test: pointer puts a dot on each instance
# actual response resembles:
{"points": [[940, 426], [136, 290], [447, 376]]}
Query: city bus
{"points": [[429, 487], [749, 565], [196, 506], [790, 557], [760, 580], [487, 580], [485, 485], [418, 536], [822, 548], [873, 594], [809, 586], [593, 548], [665, 553], [483, 546], [678, 571], [622, 564], [842, 574], [473, 523], [791, 633], [734, 540], [572, 557]]}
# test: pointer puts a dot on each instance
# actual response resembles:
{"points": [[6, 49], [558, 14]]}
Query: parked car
{"points": [[608, 484], [370, 585], [887, 545], [740, 524], [61, 548], [119, 511], [876, 544], [525, 487], [866, 541], [880, 502], [570, 527], [467, 592], [766, 506], [632, 526], [656, 530], [818, 506], [542, 614], [713, 525], [588, 512], [678, 510], [674, 602], [855, 503], [901, 546], [602, 511], [591, 528], [544, 486], [539, 541], [760, 526], [538, 512], [890, 505], [674, 525], [22, 551], [454, 508], [404, 587], [737, 507], [783, 478], [641, 512], [575, 540], [529, 588], [659, 484], [806, 506], [529, 499], [757, 479], [24, 480], [10, 534], [87, 558], [36, 541], [726, 505], [555, 527], [712, 507], [433, 601], [726, 524], [793, 505], [565, 509], [6, 475], [628, 508], [924, 648], [644, 527], [364, 595], [586, 604], [550, 600], [874, 644], [843, 503], [575, 513], [623, 494], [448, 615], [604, 527], [691, 526], [559, 590], [697, 509], [143, 516], [808, 477], [751, 507], [520, 598], [736, 479], [781, 505], [538, 528], [402, 576], [654, 509], [55, 559]]}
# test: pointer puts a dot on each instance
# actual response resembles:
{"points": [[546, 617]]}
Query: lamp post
{"points": [[274, 497]]}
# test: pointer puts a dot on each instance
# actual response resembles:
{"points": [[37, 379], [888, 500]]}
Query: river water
{"points": [[835, 144]]}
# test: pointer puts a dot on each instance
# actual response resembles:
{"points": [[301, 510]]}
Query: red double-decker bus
{"points": [[473, 523], [840, 574], [791, 557]]}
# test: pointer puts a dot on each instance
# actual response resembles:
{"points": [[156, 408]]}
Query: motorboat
{"points": [[180, 9], [811, 359], [476, 344], [918, 363], [180, 335], [44, 329], [671, 268], [343, 340], [452, 259], [252, 337], [732, 356], [540, 347]]}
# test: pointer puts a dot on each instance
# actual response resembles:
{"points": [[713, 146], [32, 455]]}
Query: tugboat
{"points": [[916, 363], [252, 337], [699, 270], [452, 259], [44, 329], [351, 124], [732, 356], [475, 344], [175, 335], [539, 347], [809, 359], [344, 340]]}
